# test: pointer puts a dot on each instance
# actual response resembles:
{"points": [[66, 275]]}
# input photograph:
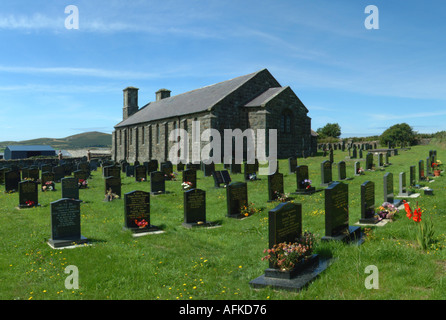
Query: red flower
{"points": [[417, 214], [408, 209]]}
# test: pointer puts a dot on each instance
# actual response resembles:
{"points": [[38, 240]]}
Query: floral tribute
{"points": [[186, 185], [306, 183], [284, 256], [141, 223], [48, 186], [82, 183], [248, 209], [387, 211]]}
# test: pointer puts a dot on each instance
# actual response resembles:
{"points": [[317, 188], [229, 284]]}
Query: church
{"points": [[253, 101]]}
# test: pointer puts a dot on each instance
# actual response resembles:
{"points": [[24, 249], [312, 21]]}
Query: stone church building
{"points": [[255, 101]]}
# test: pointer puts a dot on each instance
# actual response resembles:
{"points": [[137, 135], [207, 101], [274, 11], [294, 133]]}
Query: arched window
{"points": [[285, 121]]}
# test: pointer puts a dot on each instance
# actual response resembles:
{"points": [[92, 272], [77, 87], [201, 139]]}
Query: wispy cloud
{"points": [[402, 115]]}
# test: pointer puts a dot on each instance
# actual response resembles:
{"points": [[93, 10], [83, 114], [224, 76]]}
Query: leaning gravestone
{"points": [[70, 188], [236, 198], [66, 223], [326, 174], [195, 208], [157, 182], [28, 194], [368, 203], [137, 212], [337, 215], [275, 186]]}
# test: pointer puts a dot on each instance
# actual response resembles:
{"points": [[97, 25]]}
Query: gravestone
{"points": [[360, 154], [221, 177], [326, 175], [167, 169], [354, 152], [275, 186], [130, 171], [59, 173], [208, 169], [412, 178], [380, 160], [140, 173], [284, 223], [180, 167], [331, 158], [190, 175], [152, 165], [195, 208], [157, 183], [236, 198], [28, 194], [386, 159], [82, 178], [403, 191], [12, 179], [303, 181], [235, 168], [357, 167], [47, 179], [124, 165], [250, 171], [137, 212], [368, 203], [337, 215], [429, 172], [2, 175], [112, 171], [113, 184], [292, 164], [421, 176], [388, 190], [342, 172], [33, 174], [70, 188], [369, 161], [66, 223]]}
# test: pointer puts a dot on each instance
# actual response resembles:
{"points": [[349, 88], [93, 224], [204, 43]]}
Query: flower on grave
{"points": [[282, 197], [141, 223], [30, 203], [82, 183], [171, 176], [387, 210], [49, 185], [307, 183], [248, 209], [284, 256], [186, 185], [110, 196], [360, 170], [252, 176]]}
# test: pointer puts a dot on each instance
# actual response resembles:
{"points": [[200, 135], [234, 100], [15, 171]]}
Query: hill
{"points": [[82, 140]]}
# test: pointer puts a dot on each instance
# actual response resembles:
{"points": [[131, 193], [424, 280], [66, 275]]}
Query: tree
{"points": [[330, 130], [400, 134]]}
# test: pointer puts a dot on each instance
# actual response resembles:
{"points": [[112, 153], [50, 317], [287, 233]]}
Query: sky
{"points": [[57, 81]]}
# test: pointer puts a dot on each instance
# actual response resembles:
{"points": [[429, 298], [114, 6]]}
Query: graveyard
{"points": [[208, 242]]}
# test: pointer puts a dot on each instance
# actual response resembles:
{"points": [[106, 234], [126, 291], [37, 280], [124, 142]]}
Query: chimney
{"points": [[162, 94], [130, 102]]}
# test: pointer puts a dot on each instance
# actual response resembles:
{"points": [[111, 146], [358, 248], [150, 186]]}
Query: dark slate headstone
{"points": [[326, 174], [70, 188], [140, 173], [47, 180], [369, 161], [113, 184], [112, 171], [59, 173], [190, 175], [157, 182], [65, 223], [368, 203], [235, 168], [124, 165], [152, 165], [292, 164], [236, 198], [12, 179], [28, 194], [412, 178], [380, 160], [357, 167], [33, 174], [180, 166], [82, 178], [337, 214], [402, 190], [421, 176], [285, 223], [226, 177], [303, 181], [195, 208], [167, 169], [342, 172], [429, 171], [275, 186], [2, 175], [208, 169], [130, 171], [250, 171], [137, 212]]}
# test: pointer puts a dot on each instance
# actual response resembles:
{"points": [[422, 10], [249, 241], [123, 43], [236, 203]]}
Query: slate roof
{"points": [[30, 148], [187, 103]]}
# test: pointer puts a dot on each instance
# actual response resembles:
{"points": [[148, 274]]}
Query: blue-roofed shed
{"points": [[23, 152]]}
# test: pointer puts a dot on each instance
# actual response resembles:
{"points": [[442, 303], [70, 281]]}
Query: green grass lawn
{"points": [[219, 263]]}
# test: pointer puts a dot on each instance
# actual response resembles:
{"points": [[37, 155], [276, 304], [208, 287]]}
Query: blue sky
{"points": [[56, 82]]}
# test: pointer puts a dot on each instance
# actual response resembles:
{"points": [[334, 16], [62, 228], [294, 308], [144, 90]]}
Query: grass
{"points": [[218, 263]]}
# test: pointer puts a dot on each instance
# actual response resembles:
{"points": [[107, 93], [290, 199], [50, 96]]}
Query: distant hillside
{"points": [[82, 140]]}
